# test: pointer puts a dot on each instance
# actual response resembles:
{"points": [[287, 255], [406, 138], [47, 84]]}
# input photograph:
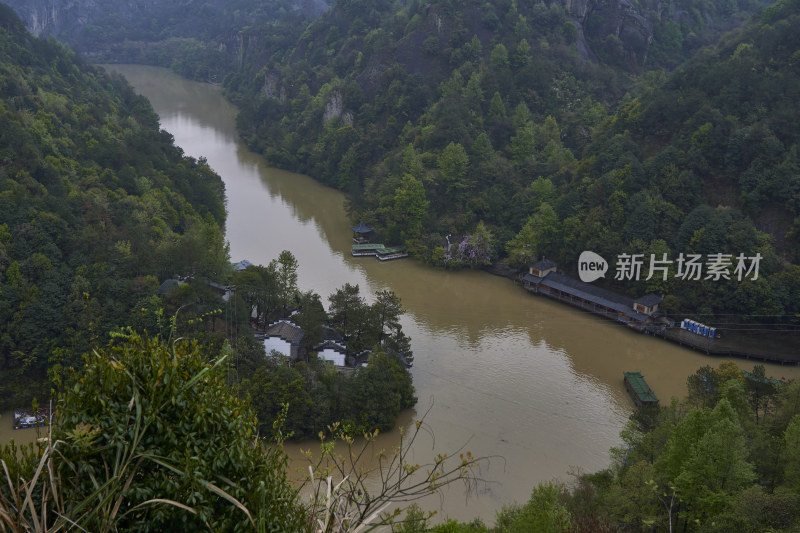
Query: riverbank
{"points": [[779, 347]]}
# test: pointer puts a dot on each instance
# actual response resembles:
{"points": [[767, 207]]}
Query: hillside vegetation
{"points": [[521, 129], [97, 207], [507, 126]]}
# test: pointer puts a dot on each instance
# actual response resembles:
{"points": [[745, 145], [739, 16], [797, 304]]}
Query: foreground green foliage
{"points": [[370, 398], [97, 207], [149, 438]]}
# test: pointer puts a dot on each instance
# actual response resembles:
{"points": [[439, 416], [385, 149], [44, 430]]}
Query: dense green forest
{"points": [[97, 207], [526, 129], [504, 140], [149, 437], [485, 122], [726, 458]]}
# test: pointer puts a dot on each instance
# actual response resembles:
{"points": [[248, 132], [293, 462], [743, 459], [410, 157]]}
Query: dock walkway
{"points": [[383, 253]]}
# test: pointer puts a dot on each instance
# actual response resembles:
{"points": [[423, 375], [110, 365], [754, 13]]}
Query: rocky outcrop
{"points": [[334, 108], [272, 87], [66, 19], [596, 20]]}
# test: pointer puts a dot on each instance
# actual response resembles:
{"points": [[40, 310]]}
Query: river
{"points": [[501, 372]]}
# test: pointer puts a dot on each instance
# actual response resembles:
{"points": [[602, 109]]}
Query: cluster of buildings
{"points": [[285, 337], [641, 314]]}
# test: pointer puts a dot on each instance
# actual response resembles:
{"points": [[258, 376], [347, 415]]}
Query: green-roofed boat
{"points": [[637, 387]]}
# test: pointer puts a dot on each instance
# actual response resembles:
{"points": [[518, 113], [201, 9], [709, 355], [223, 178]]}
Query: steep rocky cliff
{"points": [[81, 22]]}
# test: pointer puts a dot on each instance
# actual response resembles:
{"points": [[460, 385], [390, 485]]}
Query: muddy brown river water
{"points": [[502, 372]]}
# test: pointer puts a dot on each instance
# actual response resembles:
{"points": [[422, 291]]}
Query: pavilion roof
{"points": [[361, 227]]}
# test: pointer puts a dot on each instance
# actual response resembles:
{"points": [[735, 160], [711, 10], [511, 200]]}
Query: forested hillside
{"points": [[97, 207], [522, 129], [525, 133]]}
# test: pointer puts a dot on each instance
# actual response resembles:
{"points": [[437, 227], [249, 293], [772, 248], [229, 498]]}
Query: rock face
{"points": [[334, 107], [596, 20], [53, 17], [272, 87], [66, 19]]}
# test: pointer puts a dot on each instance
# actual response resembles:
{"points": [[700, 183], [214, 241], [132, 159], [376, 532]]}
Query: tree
{"points": [[454, 164], [536, 237], [409, 207], [311, 317], [258, 286], [286, 269], [277, 390], [523, 145], [791, 454], [544, 512], [761, 391], [346, 309], [703, 387], [706, 460], [167, 414], [497, 108], [343, 489], [387, 310], [378, 392], [474, 250], [482, 149]]}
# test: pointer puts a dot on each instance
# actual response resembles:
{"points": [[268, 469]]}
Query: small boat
{"points": [[24, 420], [637, 387]]}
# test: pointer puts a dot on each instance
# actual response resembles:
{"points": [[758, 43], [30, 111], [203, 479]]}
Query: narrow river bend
{"points": [[509, 374]]}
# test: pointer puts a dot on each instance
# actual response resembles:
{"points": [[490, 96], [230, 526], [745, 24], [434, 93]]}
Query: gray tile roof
{"points": [[242, 265], [286, 331], [330, 334], [649, 300], [544, 264], [530, 278], [168, 285], [361, 227], [333, 345], [594, 294]]}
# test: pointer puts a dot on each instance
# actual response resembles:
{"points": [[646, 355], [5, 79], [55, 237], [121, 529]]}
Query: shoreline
{"points": [[680, 337]]}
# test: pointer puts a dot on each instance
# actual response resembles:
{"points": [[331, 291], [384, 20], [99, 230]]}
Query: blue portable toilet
{"points": [[712, 332]]}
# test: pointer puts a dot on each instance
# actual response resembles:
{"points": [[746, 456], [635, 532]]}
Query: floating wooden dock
{"points": [[380, 251], [637, 387]]}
